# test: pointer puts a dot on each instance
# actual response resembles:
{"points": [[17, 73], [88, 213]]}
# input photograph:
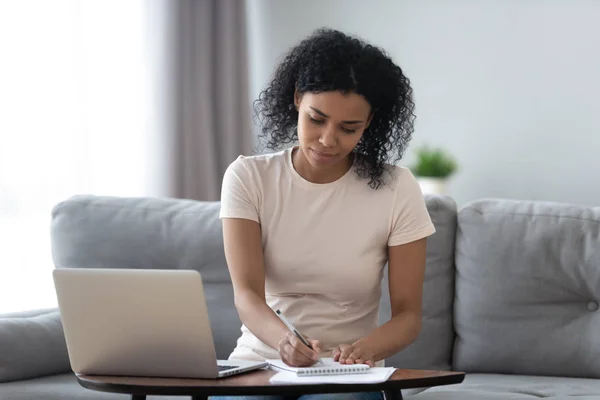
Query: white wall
{"points": [[510, 87]]}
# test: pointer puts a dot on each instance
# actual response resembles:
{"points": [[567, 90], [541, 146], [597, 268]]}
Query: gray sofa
{"points": [[511, 294]]}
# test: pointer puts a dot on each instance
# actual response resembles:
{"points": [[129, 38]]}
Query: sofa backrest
{"points": [[110, 232], [528, 288]]}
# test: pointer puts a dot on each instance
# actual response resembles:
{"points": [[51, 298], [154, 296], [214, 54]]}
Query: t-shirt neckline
{"points": [[297, 178]]}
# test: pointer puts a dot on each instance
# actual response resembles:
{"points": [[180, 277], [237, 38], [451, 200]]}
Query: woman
{"points": [[309, 228]]}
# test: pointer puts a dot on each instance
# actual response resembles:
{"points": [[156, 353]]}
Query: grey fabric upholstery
{"points": [[514, 387], [433, 348], [110, 232], [61, 387], [32, 345], [28, 313], [527, 289]]}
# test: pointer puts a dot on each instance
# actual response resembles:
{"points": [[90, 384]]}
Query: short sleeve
{"points": [[238, 192], [410, 217]]}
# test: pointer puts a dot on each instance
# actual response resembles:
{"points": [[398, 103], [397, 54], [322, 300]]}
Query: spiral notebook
{"points": [[330, 367]]}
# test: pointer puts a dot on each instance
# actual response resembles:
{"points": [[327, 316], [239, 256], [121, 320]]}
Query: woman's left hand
{"points": [[353, 354]]}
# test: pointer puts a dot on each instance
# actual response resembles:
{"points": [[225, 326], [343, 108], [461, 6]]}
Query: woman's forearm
{"points": [[259, 318], [393, 336]]}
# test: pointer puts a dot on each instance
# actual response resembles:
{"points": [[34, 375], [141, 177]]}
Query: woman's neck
{"points": [[311, 174]]}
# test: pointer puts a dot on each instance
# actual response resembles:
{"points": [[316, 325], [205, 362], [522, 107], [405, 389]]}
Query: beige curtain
{"points": [[210, 113]]}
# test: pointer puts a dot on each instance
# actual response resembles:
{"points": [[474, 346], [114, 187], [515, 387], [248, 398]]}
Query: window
{"points": [[72, 121]]}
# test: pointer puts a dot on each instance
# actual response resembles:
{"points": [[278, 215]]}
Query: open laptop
{"points": [[128, 322]]}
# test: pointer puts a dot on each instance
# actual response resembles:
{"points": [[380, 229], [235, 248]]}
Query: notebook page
{"points": [[329, 367], [373, 375]]}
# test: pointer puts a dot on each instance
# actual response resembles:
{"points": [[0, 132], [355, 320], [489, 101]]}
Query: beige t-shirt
{"points": [[325, 245]]}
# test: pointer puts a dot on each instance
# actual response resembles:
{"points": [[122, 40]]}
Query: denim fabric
{"points": [[324, 396]]}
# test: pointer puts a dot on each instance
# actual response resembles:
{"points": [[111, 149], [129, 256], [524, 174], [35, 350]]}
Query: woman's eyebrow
{"points": [[321, 113]]}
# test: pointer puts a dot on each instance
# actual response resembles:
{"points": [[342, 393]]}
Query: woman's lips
{"points": [[322, 154], [322, 157]]}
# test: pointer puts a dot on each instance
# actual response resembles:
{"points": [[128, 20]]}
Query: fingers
{"points": [[348, 354], [345, 351], [294, 353], [353, 357], [292, 357], [336, 354], [316, 345], [302, 348]]}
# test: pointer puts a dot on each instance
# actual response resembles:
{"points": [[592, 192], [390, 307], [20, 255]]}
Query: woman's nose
{"points": [[328, 138]]}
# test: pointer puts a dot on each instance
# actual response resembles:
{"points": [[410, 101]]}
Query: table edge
{"points": [[451, 378]]}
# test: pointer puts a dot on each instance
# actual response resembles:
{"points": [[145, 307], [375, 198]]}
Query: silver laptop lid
{"points": [[136, 322]]}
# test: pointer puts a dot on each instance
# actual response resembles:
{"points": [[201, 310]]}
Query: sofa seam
{"points": [[59, 207], [531, 215]]}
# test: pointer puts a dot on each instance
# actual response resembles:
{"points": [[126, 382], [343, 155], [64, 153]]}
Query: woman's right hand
{"points": [[295, 354]]}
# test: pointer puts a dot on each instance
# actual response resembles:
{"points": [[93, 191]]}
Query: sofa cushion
{"points": [[433, 347], [32, 345], [528, 288], [114, 232], [61, 387], [150, 233], [517, 387]]}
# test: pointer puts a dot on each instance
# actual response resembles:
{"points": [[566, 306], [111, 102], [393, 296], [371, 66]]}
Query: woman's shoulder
{"points": [[258, 166], [398, 177], [260, 160]]}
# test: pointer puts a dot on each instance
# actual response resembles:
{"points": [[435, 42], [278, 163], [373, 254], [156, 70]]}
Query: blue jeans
{"points": [[324, 396]]}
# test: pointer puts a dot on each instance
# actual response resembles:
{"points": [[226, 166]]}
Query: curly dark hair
{"points": [[330, 60]]}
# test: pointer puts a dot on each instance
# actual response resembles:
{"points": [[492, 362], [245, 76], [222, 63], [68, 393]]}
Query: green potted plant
{"points": [[432, 168]]}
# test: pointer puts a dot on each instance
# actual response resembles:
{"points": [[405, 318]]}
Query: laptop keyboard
{"points": [[226, 367]]}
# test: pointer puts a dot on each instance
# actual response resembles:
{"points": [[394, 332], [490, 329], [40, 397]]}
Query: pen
{"points": [[295, 332]]}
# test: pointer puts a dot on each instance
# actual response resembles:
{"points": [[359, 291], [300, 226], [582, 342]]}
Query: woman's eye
{"points": [[320, 122]]}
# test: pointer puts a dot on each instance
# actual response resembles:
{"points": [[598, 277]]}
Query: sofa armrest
{"points": [[28, 313], [32, 344]]}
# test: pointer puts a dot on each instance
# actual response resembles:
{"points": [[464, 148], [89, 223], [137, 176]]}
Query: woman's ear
{"points": [[297, 99]]}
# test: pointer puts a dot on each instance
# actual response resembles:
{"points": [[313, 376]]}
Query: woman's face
{"points": [[330, 124]]}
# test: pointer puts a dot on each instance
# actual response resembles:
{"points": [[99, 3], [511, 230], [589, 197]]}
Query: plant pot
{"points": [[432, 185]]}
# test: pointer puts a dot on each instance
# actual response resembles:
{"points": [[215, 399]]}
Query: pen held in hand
{"points": [[295, 332]]}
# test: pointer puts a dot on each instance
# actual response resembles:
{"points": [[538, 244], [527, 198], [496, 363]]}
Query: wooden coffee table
{"points": [[257, 383]]}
